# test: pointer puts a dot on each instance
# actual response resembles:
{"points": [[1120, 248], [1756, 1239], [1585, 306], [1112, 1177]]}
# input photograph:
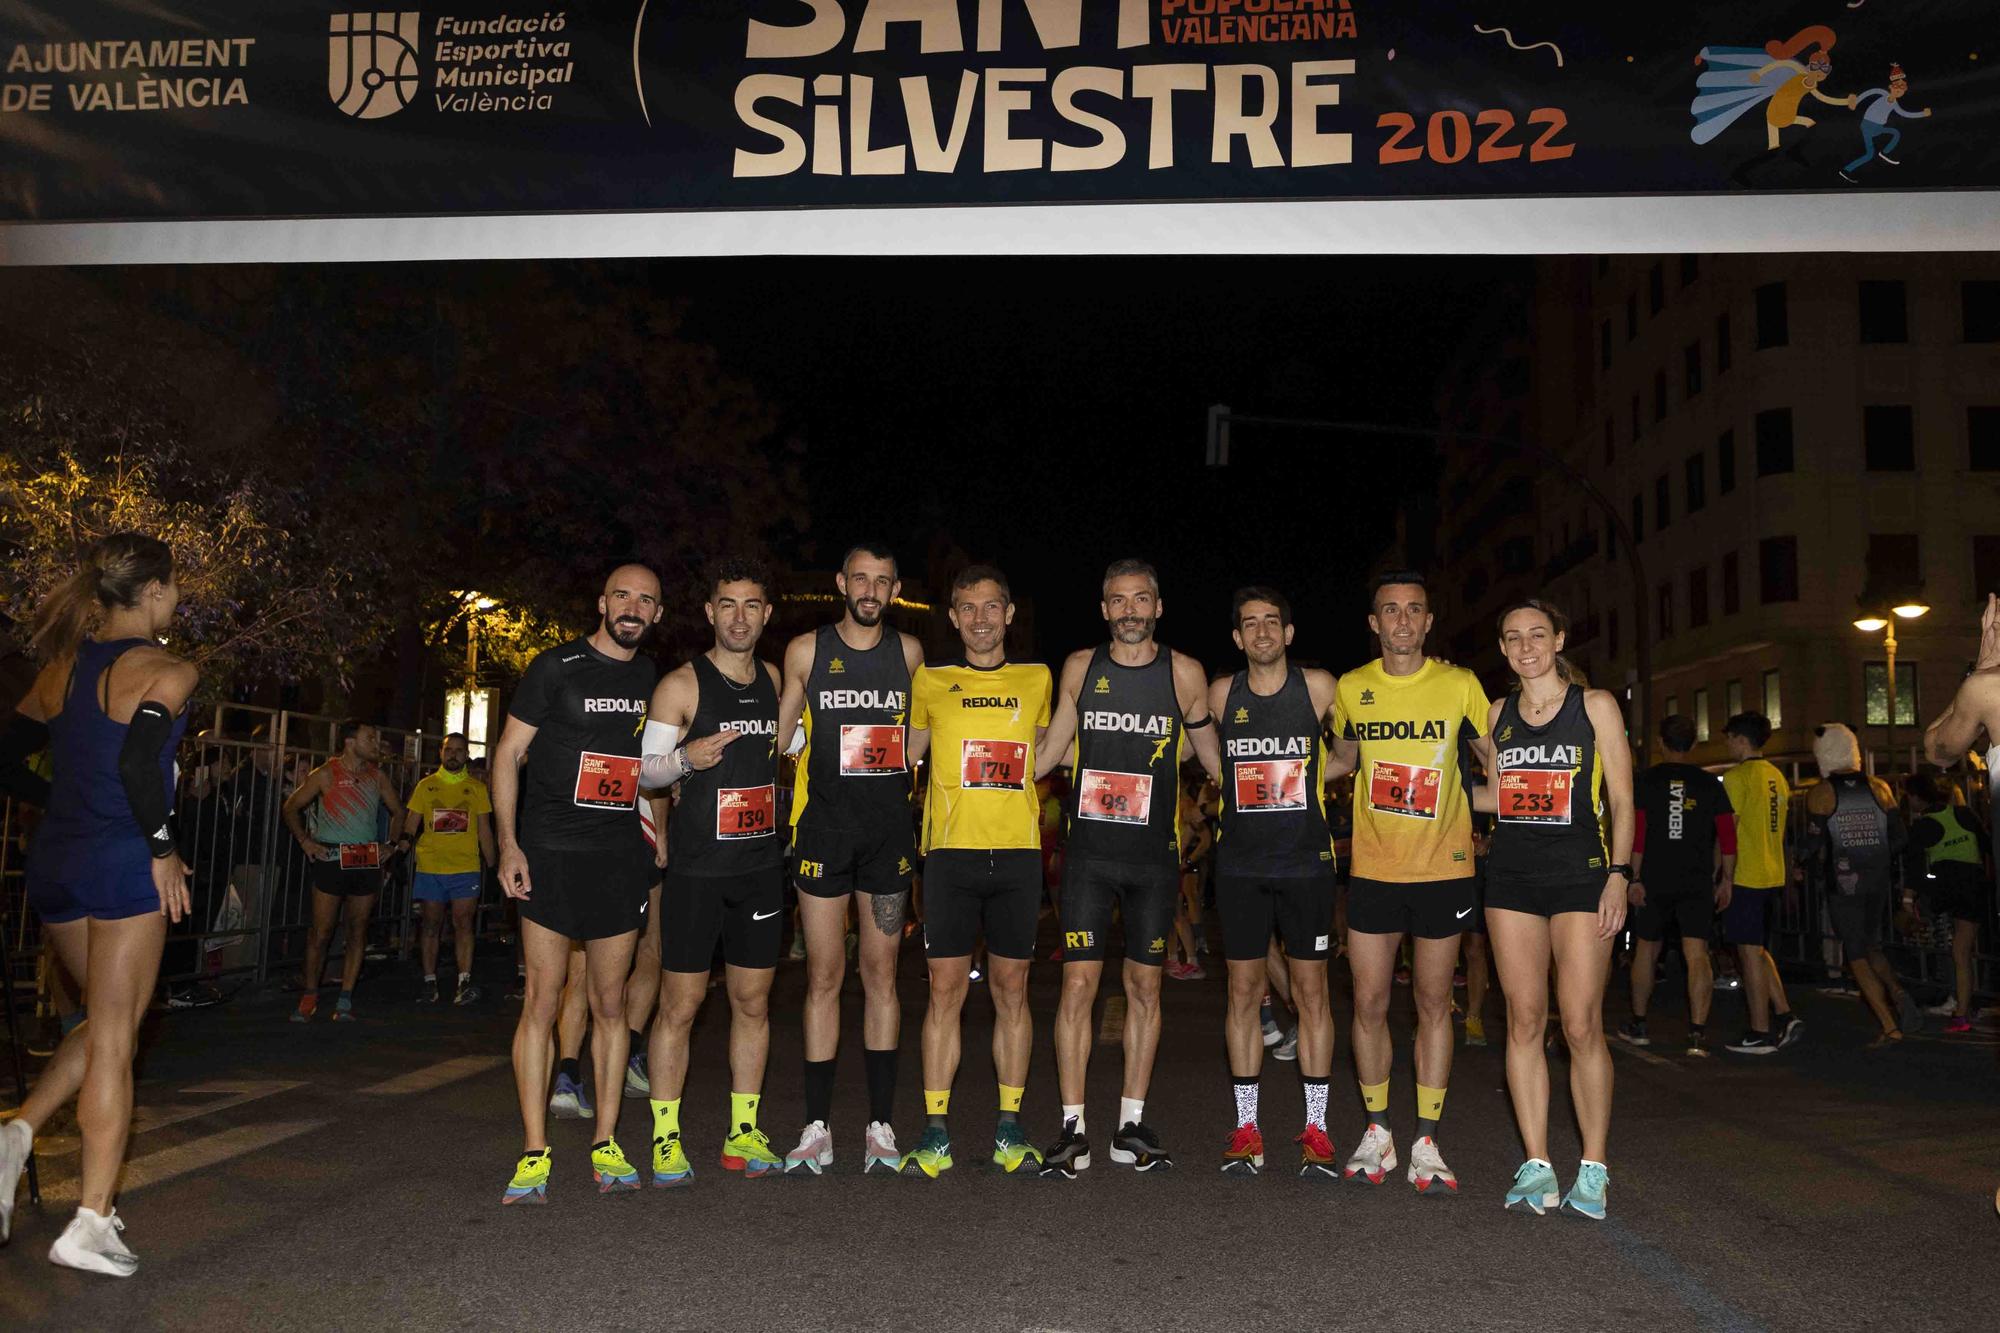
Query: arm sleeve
{"points": [[1725, 832], [145, 786], [1639, 829], [531, 701]]}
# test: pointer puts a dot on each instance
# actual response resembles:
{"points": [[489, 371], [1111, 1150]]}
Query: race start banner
{"points": [[121, 110]]}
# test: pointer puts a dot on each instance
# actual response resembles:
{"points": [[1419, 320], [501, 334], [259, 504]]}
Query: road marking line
{"points": [[1627, 1048], [1112, 1030], [159, 1167], [435, 1076], [153, 1117]]}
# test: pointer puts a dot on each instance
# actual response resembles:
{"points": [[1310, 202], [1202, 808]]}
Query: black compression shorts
{"points": [[832, 863], [745, 913], [1145, 896]]}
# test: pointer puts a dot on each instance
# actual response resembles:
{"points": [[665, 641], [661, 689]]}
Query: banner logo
{"points": [[371, 67]]}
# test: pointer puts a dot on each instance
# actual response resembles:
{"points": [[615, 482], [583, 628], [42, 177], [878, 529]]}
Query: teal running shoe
{"points": [[1586, 1197], [1534, 1189], [933, 1154], [1011, 1149]]}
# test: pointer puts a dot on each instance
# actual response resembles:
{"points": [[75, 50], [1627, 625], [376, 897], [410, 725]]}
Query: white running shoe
{"points": [[1428, 1170], [1946, 1009], [882, 1150], [1374, 1157], [16, 1142], [90, 1242], [815, 1151]]}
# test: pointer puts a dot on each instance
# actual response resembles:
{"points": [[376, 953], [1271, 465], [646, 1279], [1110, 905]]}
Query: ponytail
{"points": [[114, 572]]}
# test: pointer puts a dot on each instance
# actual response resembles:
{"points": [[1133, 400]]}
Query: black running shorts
{"points": [[1145, 896], [328, 877], [1859, 919], [744, 913], [1544, 897], [1434, 909], [1688, 907], [593, 894], [832, 863], [1299, 908], [970, 894]]}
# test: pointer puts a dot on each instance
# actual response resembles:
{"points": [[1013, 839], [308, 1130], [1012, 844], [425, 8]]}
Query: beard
{"points": [[1133, 629], [626, 631], [865, 619], [450, 767]]}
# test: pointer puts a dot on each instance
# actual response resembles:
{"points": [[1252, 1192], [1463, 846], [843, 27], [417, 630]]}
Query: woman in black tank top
{"points": [[1559, 783]]}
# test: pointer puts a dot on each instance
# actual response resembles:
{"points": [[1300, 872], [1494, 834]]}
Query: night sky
{"points": [[1050, 415]]}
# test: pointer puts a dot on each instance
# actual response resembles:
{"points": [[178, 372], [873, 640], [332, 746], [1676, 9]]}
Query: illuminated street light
{"points": [[1869, 624]]}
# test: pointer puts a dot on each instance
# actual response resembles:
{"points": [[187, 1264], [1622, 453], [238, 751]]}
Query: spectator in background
{"points": [[1955, 848], [1760, 798], [451, 816]]}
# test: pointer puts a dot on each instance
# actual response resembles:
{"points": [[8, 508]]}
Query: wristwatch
{"points": [[1624, 869]]}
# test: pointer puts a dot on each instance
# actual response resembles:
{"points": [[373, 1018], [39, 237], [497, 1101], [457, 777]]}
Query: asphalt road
{"points": [[349, 1178]]}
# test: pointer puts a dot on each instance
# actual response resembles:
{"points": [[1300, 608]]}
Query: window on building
{"points": [[1690, 269], [1698, 597], [1732, 699], [1701, 715], [1631, 317], [1663, 619], [1638, 518], [1663, 502], [1670, 705], [1659, 395], [1981, 311], [1656, 289], [1691, 369], [1732, 584], [1985, 567], [1889, 437], [1895, 563], [1725, 462], [1697, 482], [1604, 345], [1774, 441], [1773, 318], [1875, 687], [1722, 348], [1982, 438], [1885, 315], [1610, 445], [1774, 698], [1778, 570]]}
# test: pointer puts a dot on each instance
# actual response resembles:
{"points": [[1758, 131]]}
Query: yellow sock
{"points": [[1010, 1098], [1375, 1096], [1430, 1103], [937, 1103], [666, 1118], [742, 1111]]}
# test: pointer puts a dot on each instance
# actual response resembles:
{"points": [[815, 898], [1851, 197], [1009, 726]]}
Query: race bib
{"points": [[993, 764], [360, 855], [1115, 798], [450, 821], [1534, 796], [871, 750], [606, 781], [1271, 784], [1404, 789], [746, 812]]}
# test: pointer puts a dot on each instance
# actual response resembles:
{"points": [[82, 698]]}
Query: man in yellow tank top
{"points": [[1761, 797], [977, 723]]}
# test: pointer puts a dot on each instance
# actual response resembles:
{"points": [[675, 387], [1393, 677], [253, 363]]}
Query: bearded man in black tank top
{"points": [[1131, 708], [848, 686], [712, 727]]}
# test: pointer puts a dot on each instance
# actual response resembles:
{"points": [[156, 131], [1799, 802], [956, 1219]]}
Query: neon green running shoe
{"points": [[670, 1163], [614, 1174], [531, 1179], [749, 1151], [933, 1154], [1011, 1149]]}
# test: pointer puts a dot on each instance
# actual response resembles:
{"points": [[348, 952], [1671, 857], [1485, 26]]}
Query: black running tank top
{"points": [[726, 820], [1273, 792], [1125, 803], [853, 773], [1551, 784]]}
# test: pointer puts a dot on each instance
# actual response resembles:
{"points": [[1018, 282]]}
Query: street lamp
{"points": [[1869, 624]]}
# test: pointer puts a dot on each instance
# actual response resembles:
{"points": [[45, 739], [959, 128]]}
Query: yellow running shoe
{"points": [[1011, 1149], [670, 1163], [750, 1152], [933, 1154], [614, 1174], [531, 1179]]}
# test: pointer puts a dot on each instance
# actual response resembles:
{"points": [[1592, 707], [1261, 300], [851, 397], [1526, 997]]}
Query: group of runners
{"points": [[579, 827]]}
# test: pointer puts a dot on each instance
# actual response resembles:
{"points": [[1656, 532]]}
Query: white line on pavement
{"points": [[1627, 1048], [435, 1076], [153, 1117], [156, 1168]]}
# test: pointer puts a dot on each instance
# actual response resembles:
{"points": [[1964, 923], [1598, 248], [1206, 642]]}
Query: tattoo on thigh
{"points": [[889, 909]]}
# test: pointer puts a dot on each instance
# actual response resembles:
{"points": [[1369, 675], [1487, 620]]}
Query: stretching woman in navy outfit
{"points": [[103, 873]]}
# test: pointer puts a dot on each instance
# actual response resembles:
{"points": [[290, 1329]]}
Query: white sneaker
{"points": [[90, 1242], [1948, 1009], [1374, 1157], [16, 1142], [882, 1150], [1427, 1169], [815, 1150]]}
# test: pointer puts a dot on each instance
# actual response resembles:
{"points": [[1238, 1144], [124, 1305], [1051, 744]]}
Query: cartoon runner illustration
{"points": [[1879, 104], [1737, 78]]}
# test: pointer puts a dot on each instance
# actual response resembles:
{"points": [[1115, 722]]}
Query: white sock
{"points": [[464, 977], [1131, 1110], [1074, 1113], [431, 977], [1245, 1092], [1599, 1165], [26, 1131], [1316, 1102]]}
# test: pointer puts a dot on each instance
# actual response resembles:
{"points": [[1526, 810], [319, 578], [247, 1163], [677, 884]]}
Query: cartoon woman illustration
{"points": [[1736, 78]]}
